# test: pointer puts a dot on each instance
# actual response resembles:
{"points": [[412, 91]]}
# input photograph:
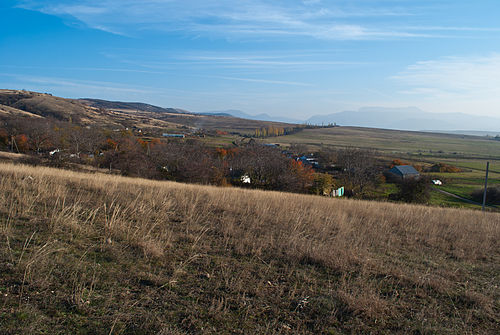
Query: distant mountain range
{"points": [[408, 118]]}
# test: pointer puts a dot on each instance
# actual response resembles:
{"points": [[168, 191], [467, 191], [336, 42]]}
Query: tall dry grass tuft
{"points": [[89, 238]]}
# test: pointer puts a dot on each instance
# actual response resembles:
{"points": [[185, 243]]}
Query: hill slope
{"points": [[46, 105], [117, 113], [139, 106], [93, 253]]}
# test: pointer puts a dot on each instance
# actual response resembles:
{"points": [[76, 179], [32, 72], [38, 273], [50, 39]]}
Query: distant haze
{"points": [[409, 118]]}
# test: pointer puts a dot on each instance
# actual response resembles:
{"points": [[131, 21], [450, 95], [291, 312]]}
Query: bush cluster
{"points": [[492, 195]]}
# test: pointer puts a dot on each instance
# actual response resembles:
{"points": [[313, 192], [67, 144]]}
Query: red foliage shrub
{"points": [[22, 142]]}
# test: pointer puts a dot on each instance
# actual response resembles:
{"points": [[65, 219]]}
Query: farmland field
{"points": [[465, 182], [395, 142]]}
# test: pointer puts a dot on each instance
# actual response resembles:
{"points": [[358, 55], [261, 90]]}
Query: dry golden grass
{"points": [[108, 254], [10, 156], [10, 111]]}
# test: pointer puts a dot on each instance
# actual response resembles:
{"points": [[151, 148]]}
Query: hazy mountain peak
{"points": [[408, 118]]}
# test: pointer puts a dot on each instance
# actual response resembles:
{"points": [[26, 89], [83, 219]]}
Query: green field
{"points": [[396, 142], [442, 200], [464, 183]]}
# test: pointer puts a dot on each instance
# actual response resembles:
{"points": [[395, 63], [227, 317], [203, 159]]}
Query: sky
{"points": [[293, 58]]}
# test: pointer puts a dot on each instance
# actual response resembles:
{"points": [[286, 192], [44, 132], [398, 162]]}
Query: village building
{"points": [[402, 172], [311, 161], [173, 135]]}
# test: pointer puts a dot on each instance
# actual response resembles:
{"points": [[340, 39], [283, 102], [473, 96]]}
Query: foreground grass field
{"points": [[91, 253]]}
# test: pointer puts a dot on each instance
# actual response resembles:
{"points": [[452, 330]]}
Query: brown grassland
{"points": [[100, 254]]}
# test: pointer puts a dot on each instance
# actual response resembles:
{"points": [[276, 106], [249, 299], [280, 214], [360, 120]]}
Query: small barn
{"points": [[402, 172]]}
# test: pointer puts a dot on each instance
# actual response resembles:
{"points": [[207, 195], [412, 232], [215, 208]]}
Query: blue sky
{"points": [[291, 58]]}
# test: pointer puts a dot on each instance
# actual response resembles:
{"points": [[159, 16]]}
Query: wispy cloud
{"points": [[83, 69], [293, 60], [262, 81], [455, 83], [451, 28], [244, 19], [78, 10], [273, 61], [472, 76], [80, 84]]}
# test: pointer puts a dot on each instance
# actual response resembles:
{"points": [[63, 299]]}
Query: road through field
{"points": [[461, 198]]}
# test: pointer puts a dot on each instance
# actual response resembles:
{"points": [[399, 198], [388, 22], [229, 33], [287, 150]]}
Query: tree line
{"points": [[271, 131]]}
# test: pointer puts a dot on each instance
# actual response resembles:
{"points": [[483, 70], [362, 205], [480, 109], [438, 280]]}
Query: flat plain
{"points": [[396, 142]]}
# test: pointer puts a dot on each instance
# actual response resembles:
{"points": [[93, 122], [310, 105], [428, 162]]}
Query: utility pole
{"points": [[485, 184]]}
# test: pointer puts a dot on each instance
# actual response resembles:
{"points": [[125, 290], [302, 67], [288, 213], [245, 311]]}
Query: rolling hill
{"points": [[138, 106], [25, 103], [117, 113]]}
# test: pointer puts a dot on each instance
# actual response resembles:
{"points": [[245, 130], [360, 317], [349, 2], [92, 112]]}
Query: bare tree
{"points": [[360, 167], [39, 132]]}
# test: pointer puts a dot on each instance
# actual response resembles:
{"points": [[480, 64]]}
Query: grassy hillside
{"points": [[46, 105], [92, 253], [116, 113], [8, 111], [98, 103]]}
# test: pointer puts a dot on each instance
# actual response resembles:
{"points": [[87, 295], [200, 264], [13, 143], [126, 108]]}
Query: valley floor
{"points": [[93, 253]]}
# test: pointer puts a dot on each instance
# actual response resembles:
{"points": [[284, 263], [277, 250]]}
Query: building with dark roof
{"points": [[402, 172]]}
